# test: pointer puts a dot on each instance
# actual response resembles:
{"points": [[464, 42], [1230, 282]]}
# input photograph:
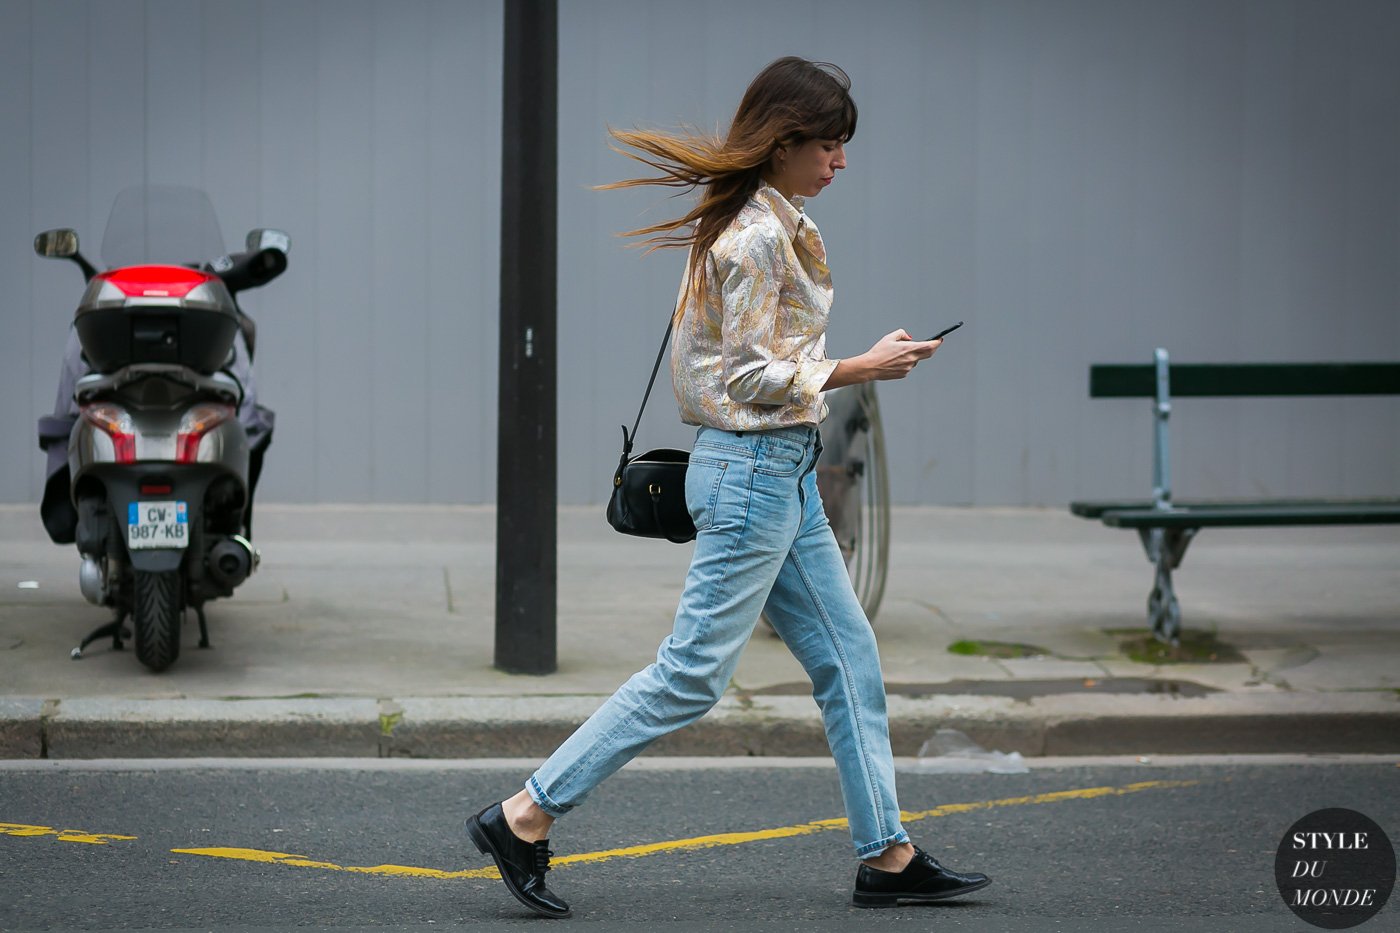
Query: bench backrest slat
{"points": [[1133, 380]]}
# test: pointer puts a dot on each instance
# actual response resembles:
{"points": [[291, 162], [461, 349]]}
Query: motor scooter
{"points": [[157, 441]]}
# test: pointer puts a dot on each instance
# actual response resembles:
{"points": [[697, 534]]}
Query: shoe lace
{"points": [[543, 853]]}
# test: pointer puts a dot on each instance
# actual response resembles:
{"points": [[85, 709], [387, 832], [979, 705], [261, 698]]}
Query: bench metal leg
{"points": [[1166, 548], [1163, 610]]}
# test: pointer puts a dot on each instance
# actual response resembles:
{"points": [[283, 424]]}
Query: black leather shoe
{"points": [[522, 864], [923, 880]]}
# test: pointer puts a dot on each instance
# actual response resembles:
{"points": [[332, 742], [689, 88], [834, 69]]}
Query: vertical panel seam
{"points": [[428, 310], [145, 93], [316, 279], [29, 362], [371, 270]]}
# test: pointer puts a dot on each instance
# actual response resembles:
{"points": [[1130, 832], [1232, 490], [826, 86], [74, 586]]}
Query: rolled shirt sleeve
{"points": [[764, 364], [807, 382]]}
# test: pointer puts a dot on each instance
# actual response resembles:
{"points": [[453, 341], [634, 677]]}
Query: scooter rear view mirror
{"points": [[268, 238], [57, 244], [62, 243]]}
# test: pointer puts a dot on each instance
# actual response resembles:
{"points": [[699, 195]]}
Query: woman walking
{"points": [[749, 367]]}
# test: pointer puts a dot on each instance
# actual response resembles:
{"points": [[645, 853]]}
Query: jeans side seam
{"points": [[642, 704], [851, 697], [729, 555]]}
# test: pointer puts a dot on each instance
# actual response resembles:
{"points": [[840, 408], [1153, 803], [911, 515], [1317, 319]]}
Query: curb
{"points": [[21, 728], [532, 727]]}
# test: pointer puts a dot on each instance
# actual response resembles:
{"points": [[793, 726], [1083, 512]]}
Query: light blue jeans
{"points": [[764, 545]]}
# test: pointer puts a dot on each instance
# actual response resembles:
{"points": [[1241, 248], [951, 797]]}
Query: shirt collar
{"points": [[790, 213]]}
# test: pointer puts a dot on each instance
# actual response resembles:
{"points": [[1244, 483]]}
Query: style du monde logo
{"points": [[1335, 868]]}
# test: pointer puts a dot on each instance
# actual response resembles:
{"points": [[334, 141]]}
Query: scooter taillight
{"points": [[196, 423], [116, 424], [157, 281]]}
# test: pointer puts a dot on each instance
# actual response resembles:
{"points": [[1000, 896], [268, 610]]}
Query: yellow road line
{"points": [[64, 835], [1083, 793], [301, 861], [696, 842]]}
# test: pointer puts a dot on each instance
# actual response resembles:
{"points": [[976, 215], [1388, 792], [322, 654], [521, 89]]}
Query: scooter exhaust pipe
{"points": [[232, 560]]}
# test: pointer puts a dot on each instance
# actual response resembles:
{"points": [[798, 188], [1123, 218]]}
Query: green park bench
{"points": [[1166, 527]]}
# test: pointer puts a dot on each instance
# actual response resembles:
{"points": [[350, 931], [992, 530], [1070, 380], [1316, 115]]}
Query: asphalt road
{"points": [[246, 846]]}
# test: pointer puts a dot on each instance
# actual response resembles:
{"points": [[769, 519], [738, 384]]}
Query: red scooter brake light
{"points": [[116, 424], [157, 281], [196, 423]]}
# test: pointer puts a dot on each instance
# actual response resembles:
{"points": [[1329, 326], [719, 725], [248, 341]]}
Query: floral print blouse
{"points": [[754, 357]]}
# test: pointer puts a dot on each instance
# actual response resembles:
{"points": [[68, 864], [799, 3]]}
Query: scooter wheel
{"points": [[157, 617]]}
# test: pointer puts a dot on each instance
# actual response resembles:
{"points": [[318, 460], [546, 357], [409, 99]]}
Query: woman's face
{"points": [[807, 168]]}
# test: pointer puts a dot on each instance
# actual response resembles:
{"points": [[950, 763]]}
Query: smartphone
{"points": [[946, 331]]}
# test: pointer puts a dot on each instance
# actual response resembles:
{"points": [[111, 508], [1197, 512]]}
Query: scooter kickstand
{"points": [[113, 628], [203, 627]]}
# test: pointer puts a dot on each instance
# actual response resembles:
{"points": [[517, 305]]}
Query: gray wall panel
{"points": [[346, 432], [284, 80], [20, 466], [1104, 321], [230, 164], [893, 289], [945, 206], [1056, 259], [1003, 399], [1268, 320], [116, 116], [590, 316], [175, 114], [58, 182], [1321, 141], [1373, 241], [1193, 155], [464, 169], [1080, 181], [398, 259]]}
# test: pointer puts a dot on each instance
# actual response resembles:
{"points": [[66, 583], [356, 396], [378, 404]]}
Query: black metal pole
{"points": [[526, 441]]}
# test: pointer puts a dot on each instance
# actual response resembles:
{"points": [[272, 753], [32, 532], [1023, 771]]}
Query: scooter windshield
{"points": [[166, 224]]}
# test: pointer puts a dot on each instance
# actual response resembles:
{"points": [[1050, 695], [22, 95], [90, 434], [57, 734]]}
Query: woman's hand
{"points": [[892, 357]]}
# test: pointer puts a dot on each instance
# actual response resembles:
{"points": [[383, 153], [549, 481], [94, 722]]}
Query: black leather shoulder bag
{"points": [[648, 493]]}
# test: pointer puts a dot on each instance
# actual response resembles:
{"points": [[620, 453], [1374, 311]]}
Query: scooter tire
{"points": [[157, 618]]}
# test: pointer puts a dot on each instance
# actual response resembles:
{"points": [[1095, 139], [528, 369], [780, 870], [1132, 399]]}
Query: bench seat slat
{"points": [[1096, 508], [1258, 514]]}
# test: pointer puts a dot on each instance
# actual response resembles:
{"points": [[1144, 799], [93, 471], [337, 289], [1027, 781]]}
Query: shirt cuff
{"points": [[807, 382]]}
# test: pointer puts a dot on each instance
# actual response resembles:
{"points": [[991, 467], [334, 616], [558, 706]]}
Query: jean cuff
{"points": [[875, 848], [536, 792]]}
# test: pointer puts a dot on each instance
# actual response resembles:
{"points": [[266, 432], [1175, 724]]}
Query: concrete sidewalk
{"points": [[369, 630]]}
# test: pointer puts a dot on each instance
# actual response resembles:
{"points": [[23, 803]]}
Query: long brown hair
{"points": [[790, 101]]}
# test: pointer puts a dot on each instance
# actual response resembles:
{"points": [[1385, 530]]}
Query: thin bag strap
{"points": [[627, 439]]}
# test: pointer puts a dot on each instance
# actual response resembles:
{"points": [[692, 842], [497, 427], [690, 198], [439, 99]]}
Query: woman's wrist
{"points": [[848, 372]]}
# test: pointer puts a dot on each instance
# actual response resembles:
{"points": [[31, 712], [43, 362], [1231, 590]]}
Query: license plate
{"points": [[157, 524]]}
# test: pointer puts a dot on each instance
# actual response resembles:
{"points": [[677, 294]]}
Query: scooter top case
{"points": [[157, 314]]}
